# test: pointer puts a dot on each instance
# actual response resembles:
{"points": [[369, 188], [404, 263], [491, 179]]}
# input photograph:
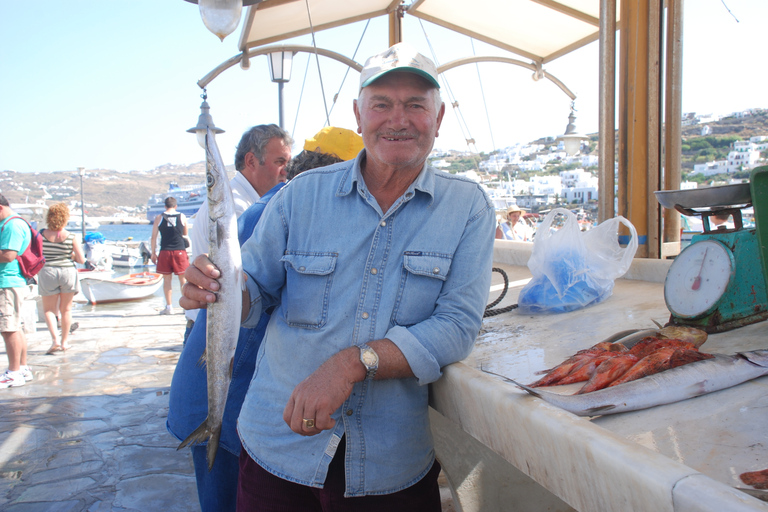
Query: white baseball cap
{"points": [[400, 57]]}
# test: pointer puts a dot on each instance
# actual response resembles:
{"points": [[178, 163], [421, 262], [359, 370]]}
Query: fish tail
{"points": [[202, 434], [199, 436], [213, 447]]}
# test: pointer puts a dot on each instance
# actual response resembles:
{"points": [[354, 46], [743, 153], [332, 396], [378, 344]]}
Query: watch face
{"points": [[370, 358], [698, 278]]}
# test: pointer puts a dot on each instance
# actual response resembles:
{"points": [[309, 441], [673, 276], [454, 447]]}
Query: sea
{"points": [[123, 232]]}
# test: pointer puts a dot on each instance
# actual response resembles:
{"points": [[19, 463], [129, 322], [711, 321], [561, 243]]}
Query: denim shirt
{"points": [[340, 272], [188, 400]]}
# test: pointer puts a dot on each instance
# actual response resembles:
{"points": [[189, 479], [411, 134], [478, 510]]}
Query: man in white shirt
{"points": [[261, 160]]}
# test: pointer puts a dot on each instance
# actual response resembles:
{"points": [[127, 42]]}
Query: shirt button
{"points": [[365, 316], [350, 412], [374, 271], [436, 270], [383, 223], [302, 269]]}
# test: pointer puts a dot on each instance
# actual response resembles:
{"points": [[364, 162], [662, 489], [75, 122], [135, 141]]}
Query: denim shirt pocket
{"points": [[422, 280], [308, 286]]}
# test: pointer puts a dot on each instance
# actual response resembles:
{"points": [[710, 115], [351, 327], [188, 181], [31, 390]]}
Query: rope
{"points": [[354, 55], [493, 312], [317, 59]]}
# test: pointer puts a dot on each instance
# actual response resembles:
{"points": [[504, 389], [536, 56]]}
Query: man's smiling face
{"points": [[399, 116]]}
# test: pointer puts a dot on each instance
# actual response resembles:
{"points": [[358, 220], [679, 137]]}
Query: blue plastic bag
{"points": [[573, 269]]}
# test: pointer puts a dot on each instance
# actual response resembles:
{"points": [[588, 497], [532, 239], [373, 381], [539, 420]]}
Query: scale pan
{"points": [[705, 197]]}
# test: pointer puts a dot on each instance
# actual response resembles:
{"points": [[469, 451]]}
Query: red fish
{"points": [[586, 368], [653, 363], [757, 479], [608, 371]]}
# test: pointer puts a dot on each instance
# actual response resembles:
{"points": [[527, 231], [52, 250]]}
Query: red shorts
{"points": [[175, 262]]}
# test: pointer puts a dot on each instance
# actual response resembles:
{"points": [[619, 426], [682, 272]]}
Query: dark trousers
{"points": [[260, 491], [216, 489]]}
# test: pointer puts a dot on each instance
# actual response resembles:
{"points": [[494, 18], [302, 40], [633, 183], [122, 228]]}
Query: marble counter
{"points": [[678, 457]]}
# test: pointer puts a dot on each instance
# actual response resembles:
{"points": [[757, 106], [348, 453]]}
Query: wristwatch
{"points": [[370, 360]]}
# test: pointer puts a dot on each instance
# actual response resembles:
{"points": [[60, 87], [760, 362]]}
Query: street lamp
{"points": [[81, 172], [204, 122], [571, 138], [280, 70]]}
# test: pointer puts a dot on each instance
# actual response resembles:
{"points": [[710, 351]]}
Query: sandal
{"points": [[64, 349], [53, 350]]}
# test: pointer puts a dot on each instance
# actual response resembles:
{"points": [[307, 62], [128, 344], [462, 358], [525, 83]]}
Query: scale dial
{"points": [[698, 278]]}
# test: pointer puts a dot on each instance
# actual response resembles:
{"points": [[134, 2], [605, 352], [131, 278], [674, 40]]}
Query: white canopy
{"points": [[541, 30]]}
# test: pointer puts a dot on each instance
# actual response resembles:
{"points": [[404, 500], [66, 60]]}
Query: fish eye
{"points": [[210, 180]]}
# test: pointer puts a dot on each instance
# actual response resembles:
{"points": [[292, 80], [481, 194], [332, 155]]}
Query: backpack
{"points": [[32, 259]]}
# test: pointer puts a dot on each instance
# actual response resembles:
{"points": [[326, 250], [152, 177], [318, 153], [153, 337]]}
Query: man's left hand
{"points": [[319, 395]]}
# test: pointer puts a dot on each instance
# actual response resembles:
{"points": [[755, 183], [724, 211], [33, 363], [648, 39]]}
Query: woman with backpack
{"points": [[58, 282]]}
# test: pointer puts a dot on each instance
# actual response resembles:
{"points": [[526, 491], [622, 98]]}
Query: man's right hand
{"points": [[201, 285]]}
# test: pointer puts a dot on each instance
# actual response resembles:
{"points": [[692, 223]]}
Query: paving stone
{"points": [[149, 493], [55, 491], [60, 506]]}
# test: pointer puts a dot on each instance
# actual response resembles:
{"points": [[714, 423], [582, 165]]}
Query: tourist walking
{"points": [[173, 258], [58, 282], [15, 237]]}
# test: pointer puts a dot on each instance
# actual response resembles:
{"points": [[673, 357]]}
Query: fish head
{"points": [[216, 179]]}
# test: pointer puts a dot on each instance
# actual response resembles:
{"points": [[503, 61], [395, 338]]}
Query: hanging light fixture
{"points": [[571, 138], [204, 122], [222, 16]]}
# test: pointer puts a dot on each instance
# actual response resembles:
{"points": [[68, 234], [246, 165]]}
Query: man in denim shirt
{"points": [[378, 271]]}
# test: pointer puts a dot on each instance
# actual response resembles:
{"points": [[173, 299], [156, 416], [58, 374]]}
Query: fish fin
{"points": [[198, 436], [203, 359], [213, 447], [657, 324], [595, 411]]}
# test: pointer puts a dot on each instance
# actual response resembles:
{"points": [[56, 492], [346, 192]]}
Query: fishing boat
{"points": [[129, 254], [98, 290], [188, 200]]}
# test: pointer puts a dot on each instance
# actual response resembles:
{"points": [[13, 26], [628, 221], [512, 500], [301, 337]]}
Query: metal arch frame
{"points": [[537, 71], [244, 58]]}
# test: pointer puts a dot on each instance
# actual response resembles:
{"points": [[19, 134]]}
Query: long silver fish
{"points": [[223, 316], [687, 381]]}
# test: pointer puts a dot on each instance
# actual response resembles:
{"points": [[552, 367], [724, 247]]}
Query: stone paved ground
{"points": [[88, 434]]}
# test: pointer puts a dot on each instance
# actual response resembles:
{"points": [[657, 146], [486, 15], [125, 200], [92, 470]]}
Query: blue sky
{"points": [[111, 84]]}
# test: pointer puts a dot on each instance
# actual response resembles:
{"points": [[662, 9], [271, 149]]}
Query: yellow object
{"points": [[341, 142]]}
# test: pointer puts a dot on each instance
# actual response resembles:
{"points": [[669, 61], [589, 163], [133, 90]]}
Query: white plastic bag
{"points": [[573, 268]]}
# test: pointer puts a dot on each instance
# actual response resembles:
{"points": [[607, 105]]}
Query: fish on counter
{"points": [[608, 364], [757, 479], [223, 316], [666, 387]]}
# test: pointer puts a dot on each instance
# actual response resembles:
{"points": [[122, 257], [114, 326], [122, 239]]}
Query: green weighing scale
{"points": [[716, 283]]}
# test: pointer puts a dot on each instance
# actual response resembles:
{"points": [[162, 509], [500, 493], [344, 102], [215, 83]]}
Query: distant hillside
{"points": [[698, 148], [105, 192]]}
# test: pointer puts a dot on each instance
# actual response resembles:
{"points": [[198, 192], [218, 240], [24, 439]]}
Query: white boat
{"points": [[129, 256], [121, 289], [75, 224], [188, 200]]}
